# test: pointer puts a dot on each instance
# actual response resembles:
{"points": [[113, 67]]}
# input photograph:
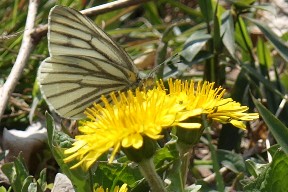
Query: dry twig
{"points": [[22, 58], [32, 35]]}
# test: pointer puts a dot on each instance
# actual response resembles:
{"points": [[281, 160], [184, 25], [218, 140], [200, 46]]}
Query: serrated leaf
{"points": [[277, 128], [78, 176]]}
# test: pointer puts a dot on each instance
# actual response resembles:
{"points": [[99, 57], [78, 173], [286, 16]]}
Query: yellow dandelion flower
{"points": [[124, 123], [204, 96], [123, 188]]}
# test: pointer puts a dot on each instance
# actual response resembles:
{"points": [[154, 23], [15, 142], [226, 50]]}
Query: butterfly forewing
{"points": [[84, 64], [71, 33]]}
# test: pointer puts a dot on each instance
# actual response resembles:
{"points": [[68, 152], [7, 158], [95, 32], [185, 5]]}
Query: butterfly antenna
{"points": [[167, 61]]}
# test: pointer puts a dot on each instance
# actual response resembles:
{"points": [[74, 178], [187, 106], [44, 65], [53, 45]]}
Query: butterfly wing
{"points": [[84, 64]]}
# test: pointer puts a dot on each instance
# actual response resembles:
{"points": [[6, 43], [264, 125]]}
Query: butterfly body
{"points": [[84, 64]]}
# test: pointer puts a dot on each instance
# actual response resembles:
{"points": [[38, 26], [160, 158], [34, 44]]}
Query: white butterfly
{"points": [[84, 64]]}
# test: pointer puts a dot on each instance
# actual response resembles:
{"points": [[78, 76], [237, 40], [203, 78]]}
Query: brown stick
{"points": [[22, 57], [41, 31]]}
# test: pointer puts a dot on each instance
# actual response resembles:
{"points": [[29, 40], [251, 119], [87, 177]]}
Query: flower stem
{"points": [[185, 152], [219, 178], [148, 171]]}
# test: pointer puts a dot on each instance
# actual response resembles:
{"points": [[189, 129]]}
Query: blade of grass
{"points": [[279, 45], [277, 128]]}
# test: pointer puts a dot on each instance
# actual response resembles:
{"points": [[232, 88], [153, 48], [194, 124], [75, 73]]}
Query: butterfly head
{"points": [[147, 83]]}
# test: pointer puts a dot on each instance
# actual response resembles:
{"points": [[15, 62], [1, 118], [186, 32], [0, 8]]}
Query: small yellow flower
{"points": [[196, 95], [204, 96], [229, 111], [124, 123], [123, 188]]}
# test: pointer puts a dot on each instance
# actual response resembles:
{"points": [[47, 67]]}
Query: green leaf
{"points": [[16, 172], [242, 4], [206, 9], [162, 51], [174, 174], [118, 173], [2, 189], [3, 154], [255, 169], [277, 175], [242, 36], [166, 154], [253, 73], [42, 180], [194, 44], [33, 188], [80, 179], [193, 188], [273, 149], [273, 177], [227, 32], [284, 80], [266, 7], [28, 185], [277, 128], [264, 54], [231, 160], [152, 13], [192, 12], [216, 32], [279, 45]]}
